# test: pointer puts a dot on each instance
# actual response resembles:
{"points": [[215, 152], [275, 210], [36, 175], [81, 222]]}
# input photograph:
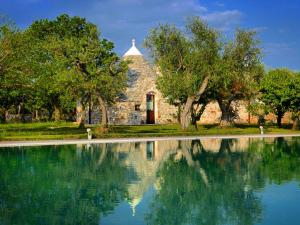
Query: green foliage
{"points": [[187, 58], [184, 58], [55, 63], [15, 81], [240, 69], [238, 74], [258, 109], [61, 42], [280, 90]]}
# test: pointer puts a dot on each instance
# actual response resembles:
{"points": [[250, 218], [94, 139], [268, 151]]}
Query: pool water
{"points": [[207, 181]]}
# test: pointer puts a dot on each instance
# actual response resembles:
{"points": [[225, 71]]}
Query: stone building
{"points": [[141, 103]]}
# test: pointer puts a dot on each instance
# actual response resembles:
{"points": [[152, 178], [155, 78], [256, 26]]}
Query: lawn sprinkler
{"points": [[261, 129], [89, 131]]}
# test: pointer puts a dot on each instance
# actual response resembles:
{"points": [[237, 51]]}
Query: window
{"points": [[137, 107]]}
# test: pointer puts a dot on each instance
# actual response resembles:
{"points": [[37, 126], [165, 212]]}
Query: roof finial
{"points": [[133, 50]]}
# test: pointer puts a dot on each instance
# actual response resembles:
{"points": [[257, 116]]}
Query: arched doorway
{"points": [[150, 100]]}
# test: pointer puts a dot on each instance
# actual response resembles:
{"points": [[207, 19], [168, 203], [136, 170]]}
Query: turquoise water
{"points": [[208, 181]]}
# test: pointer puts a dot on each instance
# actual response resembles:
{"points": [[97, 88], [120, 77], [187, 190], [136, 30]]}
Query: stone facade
{"points": [[132, 106]]}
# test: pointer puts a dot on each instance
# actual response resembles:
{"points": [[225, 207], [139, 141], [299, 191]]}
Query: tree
{"points": [[78, 63], [15, 82], [104, 74], [58, 42], [280, 91], [186, 61], [238, 74]]}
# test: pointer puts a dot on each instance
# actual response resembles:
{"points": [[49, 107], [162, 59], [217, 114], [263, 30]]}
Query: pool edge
{"points": [[141, 139]]}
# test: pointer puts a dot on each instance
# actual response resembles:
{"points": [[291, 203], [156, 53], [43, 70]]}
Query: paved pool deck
{"points": [[125, 140]]}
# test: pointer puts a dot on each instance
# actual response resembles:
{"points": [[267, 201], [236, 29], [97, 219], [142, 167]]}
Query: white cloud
{"points": [[122, 20], [219, 4], [277, 48], [224, 20], [259, 29]]}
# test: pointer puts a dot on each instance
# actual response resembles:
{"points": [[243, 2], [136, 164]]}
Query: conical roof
{"points": [[133, 50]]}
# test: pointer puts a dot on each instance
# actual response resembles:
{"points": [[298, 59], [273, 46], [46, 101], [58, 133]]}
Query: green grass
{"points": [[41, 131], [69, 130]]}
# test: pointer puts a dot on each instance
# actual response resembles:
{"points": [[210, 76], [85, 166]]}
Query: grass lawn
{"points": [[69, 130]]}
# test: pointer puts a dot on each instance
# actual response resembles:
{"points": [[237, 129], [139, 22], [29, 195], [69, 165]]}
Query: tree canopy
{"points": [[196, 62], [15, 71], [64, 61], [238, 74], [280, 91], [186, 60]]}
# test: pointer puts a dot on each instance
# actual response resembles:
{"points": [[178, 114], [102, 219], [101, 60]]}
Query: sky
{"points": [[276, 21]]}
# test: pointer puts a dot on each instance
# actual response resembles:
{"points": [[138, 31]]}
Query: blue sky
{"points": [[276, 21]]}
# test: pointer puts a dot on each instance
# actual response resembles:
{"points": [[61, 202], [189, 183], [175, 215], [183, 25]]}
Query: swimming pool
{"points": [[199, 181]]}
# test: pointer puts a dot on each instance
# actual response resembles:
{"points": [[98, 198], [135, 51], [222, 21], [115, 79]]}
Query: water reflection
{"points": [[207, 181]]}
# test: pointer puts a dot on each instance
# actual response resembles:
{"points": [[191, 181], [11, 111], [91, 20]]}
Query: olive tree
{"points": [[187, 61], [238, 74]]}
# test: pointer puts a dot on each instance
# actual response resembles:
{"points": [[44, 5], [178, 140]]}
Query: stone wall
{"points": [[212, 114], [124, 113]]}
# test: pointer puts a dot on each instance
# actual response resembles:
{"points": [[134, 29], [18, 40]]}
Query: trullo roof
{"points": [[133, 50]]}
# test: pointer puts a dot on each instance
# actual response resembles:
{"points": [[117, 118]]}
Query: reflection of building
{"points": [[146, 158]]}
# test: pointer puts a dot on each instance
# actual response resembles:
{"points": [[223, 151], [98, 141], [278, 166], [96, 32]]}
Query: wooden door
{"points": [[150, 108]]}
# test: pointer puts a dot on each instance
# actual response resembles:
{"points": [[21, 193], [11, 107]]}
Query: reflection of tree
{"points": [[234, 175], [196, 183], [185, 198], [281, 160], [56, 186]]}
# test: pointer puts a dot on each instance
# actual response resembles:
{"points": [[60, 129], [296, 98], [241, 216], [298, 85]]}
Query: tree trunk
{"points": [[296, 123], [279, 118], [104, 116], [197, 113], [90, 110], [3, 116], [227, 114], [21, 116], [225, 146], [36, 116], [185, 115], [80, 114], [56, 115], [249, 114], [178, 113]]}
